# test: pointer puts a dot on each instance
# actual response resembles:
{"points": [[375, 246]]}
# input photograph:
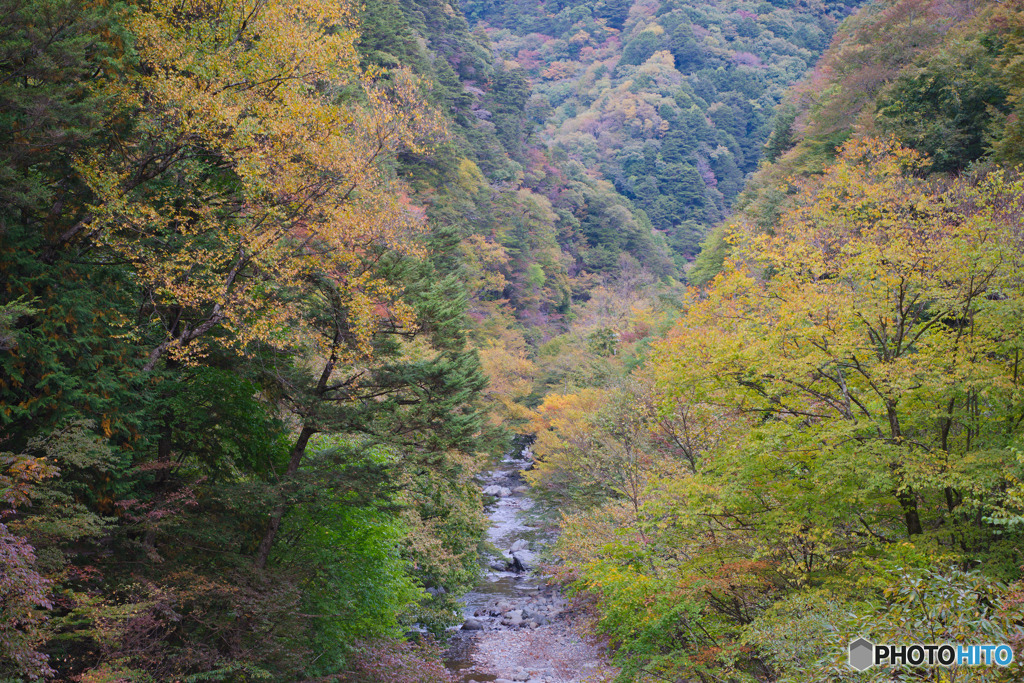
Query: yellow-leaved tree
{"points": [[837, 415], [246, 158], [248, 190]]}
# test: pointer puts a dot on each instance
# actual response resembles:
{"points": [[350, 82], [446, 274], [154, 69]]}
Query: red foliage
{"points": [[23, 596], [395, 661], [529, 60], [1012, 606]]}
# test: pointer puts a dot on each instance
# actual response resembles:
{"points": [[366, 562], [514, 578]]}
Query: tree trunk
{"points": [[908, 501], [298, 451], [163, 459]]}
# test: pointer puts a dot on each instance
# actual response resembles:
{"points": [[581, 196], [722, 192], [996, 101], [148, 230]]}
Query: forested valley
{"points": [[279, 280]]}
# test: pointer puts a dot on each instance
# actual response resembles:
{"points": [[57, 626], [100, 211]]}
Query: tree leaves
{"points": [[253, 156], [843, 399]]}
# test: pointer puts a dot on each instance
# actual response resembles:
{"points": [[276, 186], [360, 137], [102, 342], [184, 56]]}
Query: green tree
{"points": [[946, 106]]}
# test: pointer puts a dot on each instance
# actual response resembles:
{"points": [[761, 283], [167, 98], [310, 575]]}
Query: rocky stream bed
{"points": [[517, 628]]}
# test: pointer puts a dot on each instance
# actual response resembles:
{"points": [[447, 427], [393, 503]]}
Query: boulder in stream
{"points": [[518, 565], [472, 624], [499, 491]]}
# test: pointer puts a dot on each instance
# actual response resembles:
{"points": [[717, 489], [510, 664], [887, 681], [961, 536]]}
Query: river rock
{"points": [[472, 624], [521, 675], [499, 491], [518, 564], [513, 618], [519, 545]]}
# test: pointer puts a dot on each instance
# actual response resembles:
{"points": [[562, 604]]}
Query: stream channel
{"points": [[516, 627]]}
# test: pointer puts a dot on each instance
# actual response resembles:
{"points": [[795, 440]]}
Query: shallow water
{"points": [[507, 527]]}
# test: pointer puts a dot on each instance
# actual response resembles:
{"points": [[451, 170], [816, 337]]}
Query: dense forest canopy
{"points": [[277, 279], [670, 101]]}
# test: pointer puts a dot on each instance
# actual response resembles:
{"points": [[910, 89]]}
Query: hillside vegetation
{"points": [[826, 444], [278, 279]]}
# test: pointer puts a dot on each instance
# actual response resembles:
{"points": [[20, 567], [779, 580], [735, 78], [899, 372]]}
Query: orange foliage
{"points": [[245, 100]]}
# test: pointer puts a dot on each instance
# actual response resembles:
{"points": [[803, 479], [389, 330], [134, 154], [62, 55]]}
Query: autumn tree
{"points": [[841, 403], [234, 180], [229, 232]]}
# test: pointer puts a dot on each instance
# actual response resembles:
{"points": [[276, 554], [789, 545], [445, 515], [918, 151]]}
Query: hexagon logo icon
{"points": [[862, 654]]}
